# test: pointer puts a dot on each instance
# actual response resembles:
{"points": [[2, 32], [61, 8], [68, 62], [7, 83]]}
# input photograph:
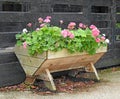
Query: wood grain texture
{"points": [[55, 61], [65, 53], [22, 51], [7, 40], [67, 63], [11, 74], [50, 84], [29, 63], [7, 57]]}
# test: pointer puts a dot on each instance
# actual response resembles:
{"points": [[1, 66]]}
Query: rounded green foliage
{"points": [[53, 38]]}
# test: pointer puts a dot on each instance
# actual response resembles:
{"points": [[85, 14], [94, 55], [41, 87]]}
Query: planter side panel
{"points": [[65, 53], [29, 63], [68, 63]]}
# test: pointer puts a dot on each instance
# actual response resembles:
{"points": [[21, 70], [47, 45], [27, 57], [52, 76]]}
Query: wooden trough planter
{"points": [[41, 66]]}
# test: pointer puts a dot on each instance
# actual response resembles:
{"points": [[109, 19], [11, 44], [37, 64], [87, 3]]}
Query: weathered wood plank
{"points": [[64, 53], [101, 2], [29, 70], [7, 57], [95, 71], [100, 17], [7, 40], [30, 61], [50, 84], [29, 80], [22, 51], [68, 2], [67, 63], [91, 68], [11, 74], [55, 61]]}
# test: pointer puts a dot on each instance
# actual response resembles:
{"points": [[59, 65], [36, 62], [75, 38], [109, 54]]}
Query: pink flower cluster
{"points": [[48, 19], [25, 45], [71, 25], [29, 24], [66, 33], [95, 30], [83, 26], [42, 22], [96, 33]]}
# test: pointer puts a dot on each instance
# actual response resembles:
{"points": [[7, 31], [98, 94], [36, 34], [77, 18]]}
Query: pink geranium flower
{"points": [[37, 29], [71, 25], [92, 27], [67, 33], [29, 24], [95, 32], [64, 33], [98, 40], [42, 25], [71, 36], [25, 45], [47, 20], [103, 38], [48, 17], [81, 25], [40, 20]]}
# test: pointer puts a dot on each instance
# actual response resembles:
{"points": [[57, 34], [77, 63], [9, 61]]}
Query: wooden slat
{"points": [[22, 51], [94, 70], [67, 63], [50, 84], [65, 53], [100, 17], [29, 70], [11, 74], [7, 40], [7, 57], [55, 61], [101, 2], [30, 61]]}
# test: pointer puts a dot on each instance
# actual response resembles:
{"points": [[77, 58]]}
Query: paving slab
{"points": [[107, 88]]}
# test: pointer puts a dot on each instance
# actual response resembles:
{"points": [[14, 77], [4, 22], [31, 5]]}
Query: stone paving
{"points": [[108, 88]]}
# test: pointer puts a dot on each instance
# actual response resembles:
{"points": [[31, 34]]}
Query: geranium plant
{"points": [[74, 38]]}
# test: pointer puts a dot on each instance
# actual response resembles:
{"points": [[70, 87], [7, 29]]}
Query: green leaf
{"points": [[18, 36], [81, 32], [19, 43]]}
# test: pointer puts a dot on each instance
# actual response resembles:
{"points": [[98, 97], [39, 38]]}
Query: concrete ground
{"points": [[108, 88]]}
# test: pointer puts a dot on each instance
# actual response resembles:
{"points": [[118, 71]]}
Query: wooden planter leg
{"points": [[91, 68], [50, 83], [30, 80]]}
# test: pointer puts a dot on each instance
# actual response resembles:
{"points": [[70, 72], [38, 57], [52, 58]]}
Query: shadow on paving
{"points": [[85, 89]]}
